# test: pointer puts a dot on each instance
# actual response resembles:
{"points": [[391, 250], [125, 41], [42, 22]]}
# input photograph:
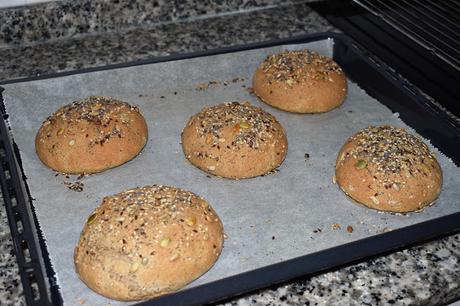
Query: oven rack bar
{"points": [[434, 25]]}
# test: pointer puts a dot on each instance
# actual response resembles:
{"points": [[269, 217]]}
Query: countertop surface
{"points": [[427, 274]]}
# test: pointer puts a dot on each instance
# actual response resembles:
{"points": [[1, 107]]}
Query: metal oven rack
{"points": [[420, 39]]}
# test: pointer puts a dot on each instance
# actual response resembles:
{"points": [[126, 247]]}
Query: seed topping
{"points": [[360, 164], [252, 125], [390, 151], [299, 66], [165, 242], [134, 267], [105, 114], [91, 218], [138, 220]]}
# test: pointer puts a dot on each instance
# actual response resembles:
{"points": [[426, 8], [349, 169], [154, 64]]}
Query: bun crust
{"points": [[91, 135], [234, 140], [146, 242], [300, 82], [388, 169]]}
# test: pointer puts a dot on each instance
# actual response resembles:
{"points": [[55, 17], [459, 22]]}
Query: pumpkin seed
{"points": [[245, 125], [374, 199], [191, 221], [174, 257], [165, 242], [134, 267], [124, 117], [91, 218], [361, 164]]}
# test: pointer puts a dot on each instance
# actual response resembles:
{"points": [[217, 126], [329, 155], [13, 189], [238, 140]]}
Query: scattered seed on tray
{"points": [[204, 86], [386, 229], [350, 229], [77, 186], [236, 80], [271, 172]]}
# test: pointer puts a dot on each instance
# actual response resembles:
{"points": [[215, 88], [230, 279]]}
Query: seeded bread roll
{"points": [[388, 169], [91, 135], [234, 140], [146, 242], [300, 82]]}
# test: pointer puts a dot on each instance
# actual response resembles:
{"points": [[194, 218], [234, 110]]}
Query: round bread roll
{"points": [[146, 242], [91, 135], [300, 82], [388, 169], [234, 140]]}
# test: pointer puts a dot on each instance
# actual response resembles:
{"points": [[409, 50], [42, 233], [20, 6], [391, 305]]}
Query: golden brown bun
{"points": [[145, 242], [300, 82], [388, 169], [234, 140], [91, 135]]}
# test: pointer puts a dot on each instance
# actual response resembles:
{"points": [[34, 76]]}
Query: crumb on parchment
{"points": [[350, 229]]}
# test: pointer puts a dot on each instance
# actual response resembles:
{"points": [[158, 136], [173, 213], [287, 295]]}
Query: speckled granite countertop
{"points": [[423, 275]]}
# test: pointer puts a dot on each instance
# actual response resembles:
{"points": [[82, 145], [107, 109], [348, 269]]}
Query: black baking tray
{"points": [[371, 74]]}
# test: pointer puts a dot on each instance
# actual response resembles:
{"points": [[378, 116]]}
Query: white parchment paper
{"points": [[267, 219]]}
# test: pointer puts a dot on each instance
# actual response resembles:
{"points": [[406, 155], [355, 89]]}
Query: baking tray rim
{"points": [[181, 55], [232, 286]]}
